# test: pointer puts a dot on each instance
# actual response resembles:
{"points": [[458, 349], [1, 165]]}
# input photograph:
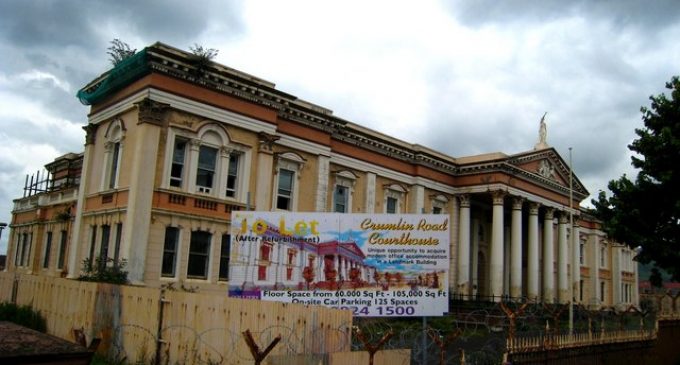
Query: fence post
{"points": [[159, 330], [15, 288], [258, 355], [372, 349]]}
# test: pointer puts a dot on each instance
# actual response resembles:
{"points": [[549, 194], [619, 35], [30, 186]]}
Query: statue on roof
{"points": [[542, 134]]}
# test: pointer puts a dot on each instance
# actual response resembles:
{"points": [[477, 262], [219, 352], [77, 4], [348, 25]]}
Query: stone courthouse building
{"points": [[175, 143]]}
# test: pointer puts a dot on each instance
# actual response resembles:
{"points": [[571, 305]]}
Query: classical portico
{"points": [[532, 261]]}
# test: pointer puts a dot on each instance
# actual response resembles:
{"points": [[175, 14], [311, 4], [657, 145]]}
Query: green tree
{"points": [[646, 212]]}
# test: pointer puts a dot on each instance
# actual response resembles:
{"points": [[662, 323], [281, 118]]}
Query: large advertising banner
{"points": [[377, 265]]}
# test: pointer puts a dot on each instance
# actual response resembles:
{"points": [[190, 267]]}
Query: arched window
{"points": [[113, 152], [207, 162]]}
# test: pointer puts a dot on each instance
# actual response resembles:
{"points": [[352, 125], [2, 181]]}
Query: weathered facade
{"points": [[174, 145]]}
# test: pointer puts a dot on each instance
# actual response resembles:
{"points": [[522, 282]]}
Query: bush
{"points": [[104, 270], [23, 315]]}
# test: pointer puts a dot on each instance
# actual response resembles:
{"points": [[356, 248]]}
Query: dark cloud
{"points": [[69, 38], [650, 15], [34, 23]]}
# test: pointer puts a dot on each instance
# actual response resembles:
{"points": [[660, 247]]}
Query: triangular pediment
{"points": [[546, 166]]}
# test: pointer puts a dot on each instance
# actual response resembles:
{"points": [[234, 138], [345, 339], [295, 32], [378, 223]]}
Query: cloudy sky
{"points": [[462, 77]]}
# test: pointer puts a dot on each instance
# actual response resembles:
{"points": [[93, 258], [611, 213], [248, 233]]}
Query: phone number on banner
{"points": [[370, 303]]}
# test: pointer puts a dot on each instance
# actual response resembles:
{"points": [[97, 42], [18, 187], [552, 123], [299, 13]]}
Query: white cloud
{"points": [[36, 75]]}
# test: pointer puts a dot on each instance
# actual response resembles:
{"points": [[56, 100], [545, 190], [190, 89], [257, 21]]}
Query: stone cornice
{"points": [[177, 64], [165, 60], [512, 170]]}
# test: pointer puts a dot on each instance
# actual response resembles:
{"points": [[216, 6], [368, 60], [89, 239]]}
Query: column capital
{"points": [[564, 218], [194, 144], [517, 202], [533, 208], [464, 200], [225, 151], [498, 197], [267, 142], [90, 133], [549, 213], [108, 146], [151, 111]]}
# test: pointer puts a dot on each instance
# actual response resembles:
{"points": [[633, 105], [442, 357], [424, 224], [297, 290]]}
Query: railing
{"points": [[552, 341], [454, 297]]}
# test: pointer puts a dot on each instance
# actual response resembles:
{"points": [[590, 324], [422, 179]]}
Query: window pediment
{"points": [[290, 161], [214, 134], [345, 178], [395, 188], [115, 130]]}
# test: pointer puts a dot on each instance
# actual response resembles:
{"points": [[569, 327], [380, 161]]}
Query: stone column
{"points": [[322, 184], [507, 252], [576, 262], [417, 199], [532, 254], [76, 245], [192, 164], [464, 246], [548, 257], [496, 262], [474, 256], [140, 196], [562, 255], [595, 270], [221, 175], [636, 294], [616, 276], [370, 192], [516, 250], [265, 169]]}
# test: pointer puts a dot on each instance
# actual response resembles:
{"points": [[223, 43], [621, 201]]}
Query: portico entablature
{"points": [[530, 197]]}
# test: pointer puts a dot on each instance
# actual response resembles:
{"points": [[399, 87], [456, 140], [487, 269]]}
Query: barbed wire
{"points": [[481, 336]]}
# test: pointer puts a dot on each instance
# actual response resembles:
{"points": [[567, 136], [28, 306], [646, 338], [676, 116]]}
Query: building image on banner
{"points": [[373, 264]]}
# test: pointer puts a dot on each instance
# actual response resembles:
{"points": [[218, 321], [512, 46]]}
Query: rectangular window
{"points": [[603, 253], [170, 252], [205, 173], [436, 210], [26, 249], [224, 257], [62, 250], [17, 253], [114, 165], [262, 272], [285, 189], [291, 262], [48, 248], [265, 251], [580, 290], [582, 253], [602, 293], [177, 168], [391, 205], [116, 246], [232, 175], [340, 198], [104, 248], [93, 244], [199, 255]]}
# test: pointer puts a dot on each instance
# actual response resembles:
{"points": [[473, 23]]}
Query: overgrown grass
{"points": [[23, 315]]}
